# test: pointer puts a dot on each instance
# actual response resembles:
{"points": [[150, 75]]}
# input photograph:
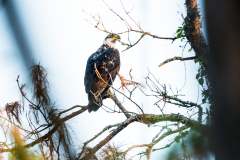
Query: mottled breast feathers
{"points": [[101, 70]]}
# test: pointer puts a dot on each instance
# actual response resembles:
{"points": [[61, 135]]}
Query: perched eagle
{"points": [[101, 70]]}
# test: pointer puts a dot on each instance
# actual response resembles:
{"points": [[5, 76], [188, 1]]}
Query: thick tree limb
{"points": [[192, 29], [154, 118]]}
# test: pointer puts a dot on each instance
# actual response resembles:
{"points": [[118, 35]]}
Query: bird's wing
{"points": [[90, 77], [107, 64]]}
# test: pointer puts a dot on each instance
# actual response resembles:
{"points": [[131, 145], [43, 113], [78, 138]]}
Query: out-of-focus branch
{"points": [[18, 32]]}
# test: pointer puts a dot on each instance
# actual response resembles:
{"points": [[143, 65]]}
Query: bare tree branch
{"points": [[109, 137], [120, 106], [177, 59]]}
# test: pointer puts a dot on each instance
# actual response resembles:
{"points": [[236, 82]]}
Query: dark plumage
{"points": [[106, 62]]}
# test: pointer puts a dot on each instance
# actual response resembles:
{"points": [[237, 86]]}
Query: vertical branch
{"points": [[193, 31], [18, 32]]}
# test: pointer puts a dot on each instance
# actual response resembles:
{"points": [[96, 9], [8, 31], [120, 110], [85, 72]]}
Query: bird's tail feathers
{"points": [[94, 104], [93, 107]]}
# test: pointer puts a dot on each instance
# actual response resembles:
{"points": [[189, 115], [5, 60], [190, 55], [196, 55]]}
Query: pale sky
{"points": [[62, 39]]}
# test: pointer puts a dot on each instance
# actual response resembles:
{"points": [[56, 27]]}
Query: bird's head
{"points": [[111, 39]]}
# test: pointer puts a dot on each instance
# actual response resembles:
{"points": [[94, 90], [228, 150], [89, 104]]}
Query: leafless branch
{"points": [[96, 136], [120, 106], [176, 59]]}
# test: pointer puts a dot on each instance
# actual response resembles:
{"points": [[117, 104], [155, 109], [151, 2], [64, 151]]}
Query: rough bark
{"points": [[192, 29]]}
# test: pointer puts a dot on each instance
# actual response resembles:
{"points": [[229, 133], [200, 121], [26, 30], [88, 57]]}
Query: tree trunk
{"points": [[224, 71]]}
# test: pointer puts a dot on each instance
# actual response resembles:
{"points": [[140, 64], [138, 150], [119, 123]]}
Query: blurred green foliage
{"points": [[20, 152]]}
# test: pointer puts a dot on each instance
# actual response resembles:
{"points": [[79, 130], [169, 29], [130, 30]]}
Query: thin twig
{"points": [[176, 59]]}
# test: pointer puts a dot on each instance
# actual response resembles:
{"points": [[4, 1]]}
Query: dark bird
{"points": [[101, 70]]}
